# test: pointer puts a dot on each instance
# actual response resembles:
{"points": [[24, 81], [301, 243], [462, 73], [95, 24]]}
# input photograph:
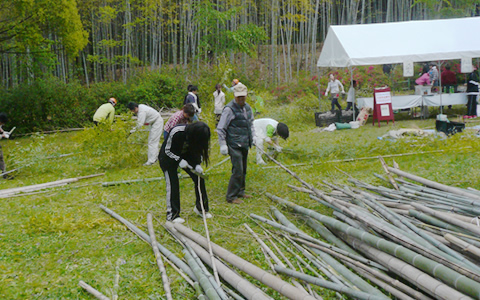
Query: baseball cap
{"points": [[240, 90]]}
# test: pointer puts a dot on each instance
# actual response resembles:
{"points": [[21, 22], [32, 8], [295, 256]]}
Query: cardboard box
{"points": [[363, 115]]}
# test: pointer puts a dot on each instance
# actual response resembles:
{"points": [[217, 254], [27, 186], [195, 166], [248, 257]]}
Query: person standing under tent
{"points": [[105, 113], [219, 98], [351, 97], [186, 147], [267, 130], [472, 94], [235, 137], [148, 116], [183, 116], [192, 98], [334, 86], [434, 78]]}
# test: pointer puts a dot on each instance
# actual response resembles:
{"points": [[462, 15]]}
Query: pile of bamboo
{"points": [[417, 240]]}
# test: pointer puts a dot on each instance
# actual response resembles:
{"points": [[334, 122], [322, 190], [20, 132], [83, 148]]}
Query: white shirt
{"points": [[334, 87], [146, 116], [260, 126], [219, 102]]}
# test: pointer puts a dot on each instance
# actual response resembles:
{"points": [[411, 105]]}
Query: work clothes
{"points": [[219, 98], [150, 117], [265, 131], [104, 114], [174, 149], [174, 120], [2, 162], [472, 93], [236, 130]]}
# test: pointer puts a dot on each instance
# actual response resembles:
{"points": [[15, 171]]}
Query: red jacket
{"points": [[448, 78]]}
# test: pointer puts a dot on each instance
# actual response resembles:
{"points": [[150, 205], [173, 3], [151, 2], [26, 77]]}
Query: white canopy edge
{"points": [[399, 42]]}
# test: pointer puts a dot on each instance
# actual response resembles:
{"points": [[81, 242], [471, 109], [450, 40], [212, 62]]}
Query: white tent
{"points": [[401, 42]]}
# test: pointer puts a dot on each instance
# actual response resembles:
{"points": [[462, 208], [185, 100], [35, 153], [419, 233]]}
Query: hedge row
{"points": [[51, 104]]}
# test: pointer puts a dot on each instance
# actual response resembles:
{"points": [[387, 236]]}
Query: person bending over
{"points": [[186, 147], [267, 130]]}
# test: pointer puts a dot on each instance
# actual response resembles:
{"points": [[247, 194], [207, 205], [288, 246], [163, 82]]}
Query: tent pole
{"points": [[354, 92], [440, 85]]}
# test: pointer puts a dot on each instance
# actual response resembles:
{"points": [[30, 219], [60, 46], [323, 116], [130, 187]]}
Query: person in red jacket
{"points": [[449, 79]]}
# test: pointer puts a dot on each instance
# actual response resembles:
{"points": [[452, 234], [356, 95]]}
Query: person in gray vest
{"points": [[235, 136]]}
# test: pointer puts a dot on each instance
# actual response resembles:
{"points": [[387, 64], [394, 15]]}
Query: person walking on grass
{"points": [[183, 116], [472, 94], [3, 135], [235, 136], [219, 98], [267, 130], [334, 86], [186, 147], [147, 116], [105, 114]]}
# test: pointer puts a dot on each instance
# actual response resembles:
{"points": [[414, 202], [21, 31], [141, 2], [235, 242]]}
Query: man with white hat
{"points": [[235, 136], [105, 113]]}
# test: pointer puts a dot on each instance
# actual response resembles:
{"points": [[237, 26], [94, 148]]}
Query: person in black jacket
{"points": [[186, 147], [472, 93]]}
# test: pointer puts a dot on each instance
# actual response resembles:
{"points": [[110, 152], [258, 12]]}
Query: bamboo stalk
{"points": [[177, 261], [359, 158], [272, 281], [436, 185], [158, 258], [92, 291], [214, 268], [471, 228], [201, 277], [463, 245], [110, 183], [390, 177], [264, 246], [447, 275], [327, 284]]}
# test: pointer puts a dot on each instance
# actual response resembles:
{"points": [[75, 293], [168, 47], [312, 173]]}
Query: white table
{"points": [[409, 101]]}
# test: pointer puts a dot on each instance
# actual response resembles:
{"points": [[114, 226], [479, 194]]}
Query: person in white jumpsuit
{"points": [[149, 117], [267, 130]]}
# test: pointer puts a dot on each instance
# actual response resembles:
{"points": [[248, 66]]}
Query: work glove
{"points": [[183, 164], [132, 131], [6, 135], [277, 148], [326, 94], [198, 169], [199, 110], [224, 149]]}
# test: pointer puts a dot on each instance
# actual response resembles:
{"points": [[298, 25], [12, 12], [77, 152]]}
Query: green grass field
{"points": [[50, 241]]}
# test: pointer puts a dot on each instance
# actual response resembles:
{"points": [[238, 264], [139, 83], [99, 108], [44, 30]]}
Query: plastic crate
{"points": [[449, 127]]}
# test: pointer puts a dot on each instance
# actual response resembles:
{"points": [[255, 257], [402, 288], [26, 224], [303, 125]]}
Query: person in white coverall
{"points": [[267, 130], [148, 116]]}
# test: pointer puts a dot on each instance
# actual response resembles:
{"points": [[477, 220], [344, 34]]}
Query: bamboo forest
{"points": [[112, 40]]}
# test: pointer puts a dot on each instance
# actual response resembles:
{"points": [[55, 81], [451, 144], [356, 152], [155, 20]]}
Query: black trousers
{"points": [[472, 105], [173, 190], [236, 185], [335, 102]]}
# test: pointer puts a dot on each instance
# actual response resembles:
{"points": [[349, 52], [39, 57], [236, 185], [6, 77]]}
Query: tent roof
{"points": [[398, 42]]}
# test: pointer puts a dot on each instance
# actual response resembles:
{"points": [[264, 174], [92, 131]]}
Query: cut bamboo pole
{"points": [[298, 233], [387, 287], [270, 280], [158, 258], [436, 185], [177, 261], [390, 177], [463, 245], [385, 278], [328, 284], [92, 291], [413, 275], [31, 188], [201, 277], [445, 274], [111, 183], [264, 246], [471, 228], [358, 158]]}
